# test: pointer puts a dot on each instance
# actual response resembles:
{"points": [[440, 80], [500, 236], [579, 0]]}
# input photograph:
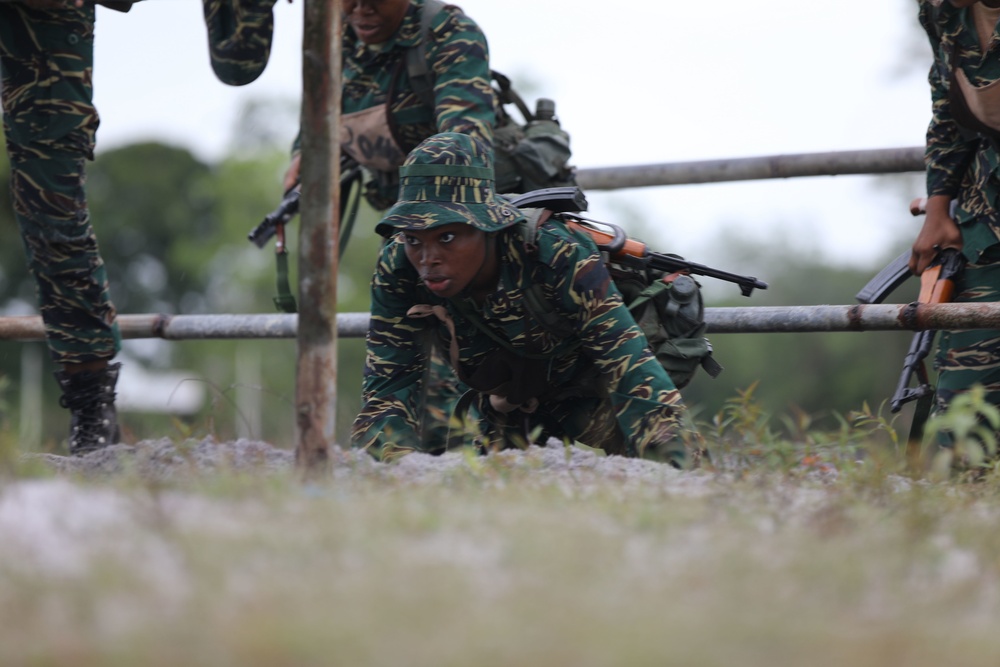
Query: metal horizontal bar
{"points": [[876, 161], [746, 319], [867, 317], [194, 327]]}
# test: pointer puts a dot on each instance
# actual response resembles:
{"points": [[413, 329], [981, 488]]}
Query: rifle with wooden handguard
{"points": [[612, 239], [937, 285]]}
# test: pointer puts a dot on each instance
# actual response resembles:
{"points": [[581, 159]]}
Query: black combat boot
{"points": [[90, 398]]}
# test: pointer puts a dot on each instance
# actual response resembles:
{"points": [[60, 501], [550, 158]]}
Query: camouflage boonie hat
{"points": [[448, 178]]}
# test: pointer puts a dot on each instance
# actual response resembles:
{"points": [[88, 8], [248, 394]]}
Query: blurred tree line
{"points": [[173, 233], [173, 230]]}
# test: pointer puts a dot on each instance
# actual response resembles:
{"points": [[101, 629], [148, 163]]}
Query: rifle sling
{"points": [[421, 79], [350, 198], [469, 313]]}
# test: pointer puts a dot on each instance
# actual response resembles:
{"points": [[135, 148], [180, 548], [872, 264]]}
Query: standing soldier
{"points": [[46, 54], [383, 118], [963, 163]]}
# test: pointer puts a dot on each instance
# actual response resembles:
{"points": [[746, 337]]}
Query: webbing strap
{"points": [[350, 193], [539, 307], [284, 301], [648, 294], [543, 313], [421, 79], [469, 313]]}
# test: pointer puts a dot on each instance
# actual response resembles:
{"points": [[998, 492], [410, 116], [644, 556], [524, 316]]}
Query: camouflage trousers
{"points": [[49, 125], [972, 356]]}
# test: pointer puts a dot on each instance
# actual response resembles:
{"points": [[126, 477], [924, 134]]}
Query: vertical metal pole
{"points": [[316, 374]]}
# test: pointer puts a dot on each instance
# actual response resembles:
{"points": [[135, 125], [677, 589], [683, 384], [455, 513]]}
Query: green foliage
{"points": [[968, 429], [878, 427], [820, 374], [742, 437]]}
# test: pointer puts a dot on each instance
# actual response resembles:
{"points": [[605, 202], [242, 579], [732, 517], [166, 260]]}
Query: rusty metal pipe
{"points": [[876, 161], [746, 319], [193, 327], [870, 317]]}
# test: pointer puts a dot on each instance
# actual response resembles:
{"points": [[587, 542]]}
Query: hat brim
{"points": [[419, 215]]}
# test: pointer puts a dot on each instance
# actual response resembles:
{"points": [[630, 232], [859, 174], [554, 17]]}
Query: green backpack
{"points": [[667, 307], [529, 155], [671, 313]]}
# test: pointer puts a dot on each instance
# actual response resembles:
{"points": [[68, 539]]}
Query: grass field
{"points": [[806, 551]]}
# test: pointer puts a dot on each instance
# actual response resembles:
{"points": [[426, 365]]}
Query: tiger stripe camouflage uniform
{"points": [[602, 385], [376, 75], [49, 125], [239, 38], [964, 164]]}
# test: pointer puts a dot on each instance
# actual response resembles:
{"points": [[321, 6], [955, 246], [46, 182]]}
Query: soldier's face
{"points": [[450, 258], [375, 21]]}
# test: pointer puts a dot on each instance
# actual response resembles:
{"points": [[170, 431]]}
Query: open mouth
{"points": [[366, 30], [436, 283]]}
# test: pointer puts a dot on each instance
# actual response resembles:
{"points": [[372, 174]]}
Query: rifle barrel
{"points": [[747, 284]]}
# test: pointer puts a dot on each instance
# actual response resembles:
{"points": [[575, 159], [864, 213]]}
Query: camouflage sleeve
{"points": [[646, 402], [947, 155], [459, 57], [393, 375]]}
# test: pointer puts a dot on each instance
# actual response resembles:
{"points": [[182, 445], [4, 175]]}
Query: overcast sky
{"points": [[647, 81]]}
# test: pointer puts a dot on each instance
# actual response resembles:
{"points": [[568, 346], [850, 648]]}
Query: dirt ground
{"points": [[163, 459]]}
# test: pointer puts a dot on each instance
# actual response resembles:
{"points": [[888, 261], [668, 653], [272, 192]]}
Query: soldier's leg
{"points": [[967, 358], [50, 123], [443, 393], [594, 420], [585, 417]]}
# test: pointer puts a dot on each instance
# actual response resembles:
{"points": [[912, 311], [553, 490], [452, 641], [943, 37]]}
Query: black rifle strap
{"points": [[507, 95], [421, 78], [468, 311], [350, 198], [535, 302]]}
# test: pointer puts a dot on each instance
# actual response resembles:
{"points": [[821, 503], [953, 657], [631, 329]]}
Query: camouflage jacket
{"points": [[459, 59], [645, 404], [961, 163]]}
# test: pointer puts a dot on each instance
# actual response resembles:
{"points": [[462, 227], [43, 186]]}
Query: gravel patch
{"points": [[164, 459]]}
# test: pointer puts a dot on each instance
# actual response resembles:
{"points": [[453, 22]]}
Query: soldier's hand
{"points": [[939, 232]]}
